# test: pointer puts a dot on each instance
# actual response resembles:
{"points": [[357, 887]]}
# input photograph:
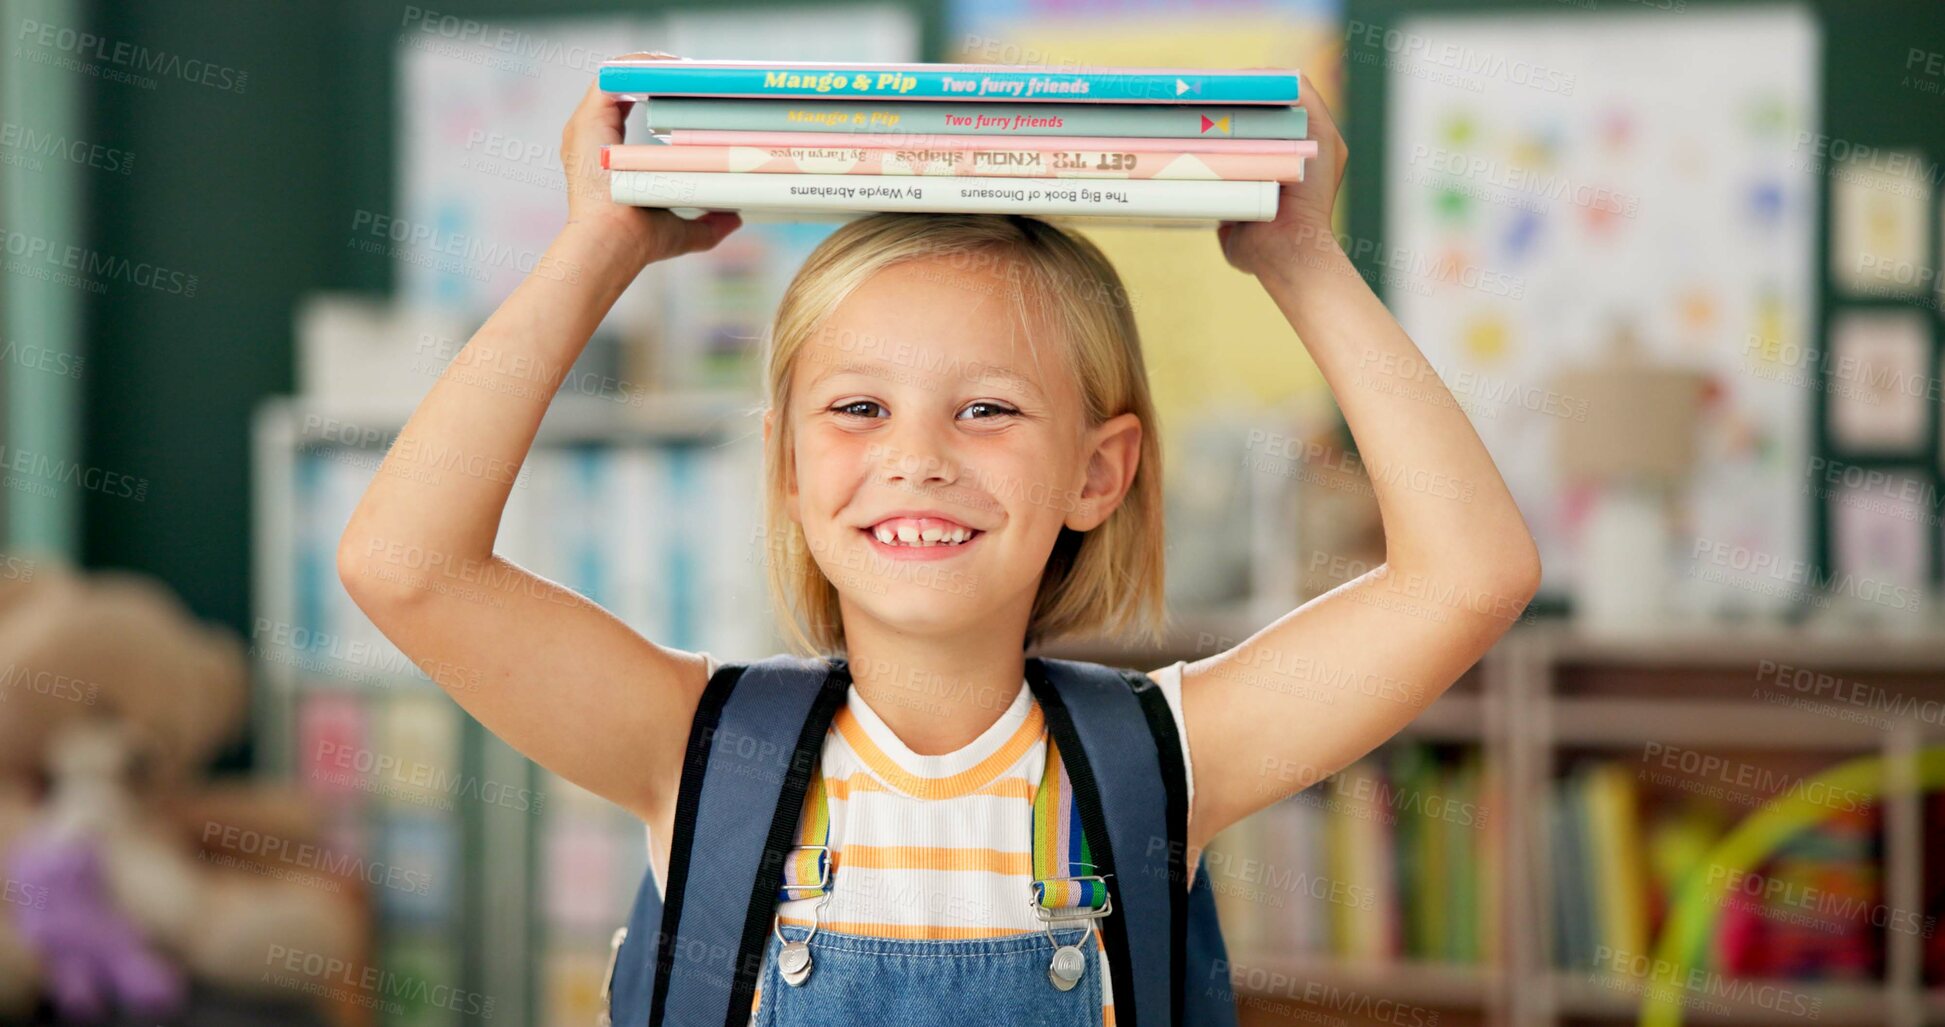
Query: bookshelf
{"points": [[1550, 698], [528, 874]]}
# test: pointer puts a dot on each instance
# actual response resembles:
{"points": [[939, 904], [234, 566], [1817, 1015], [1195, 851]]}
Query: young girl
{"points": [[962, 462]]}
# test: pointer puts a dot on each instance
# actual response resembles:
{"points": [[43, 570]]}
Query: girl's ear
{"points": [[1114, 451], [789, 464]]}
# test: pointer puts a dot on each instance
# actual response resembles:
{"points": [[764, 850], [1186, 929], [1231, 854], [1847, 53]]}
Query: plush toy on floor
{"points": [[93, 955], [113, 700]]}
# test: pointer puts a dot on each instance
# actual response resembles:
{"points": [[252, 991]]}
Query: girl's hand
{"points": [[1303, 208], [646, 234]]}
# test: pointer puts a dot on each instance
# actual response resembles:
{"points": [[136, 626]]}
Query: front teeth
{"points": [[911, 535]]}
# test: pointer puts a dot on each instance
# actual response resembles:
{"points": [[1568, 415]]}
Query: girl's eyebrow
{"points": [[1007, 374], [845, 367]]}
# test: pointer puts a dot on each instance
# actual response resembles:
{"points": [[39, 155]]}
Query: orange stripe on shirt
{"points": [[966, 782]]}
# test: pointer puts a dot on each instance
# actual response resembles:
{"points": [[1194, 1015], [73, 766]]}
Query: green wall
{"points": [[239, 188]]}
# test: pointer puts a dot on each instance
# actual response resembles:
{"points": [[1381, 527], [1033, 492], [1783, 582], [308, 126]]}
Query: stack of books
{"points": [[820, 139]]}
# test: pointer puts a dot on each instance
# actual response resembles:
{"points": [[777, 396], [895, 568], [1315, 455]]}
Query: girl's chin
{"points": [[916, 597]]}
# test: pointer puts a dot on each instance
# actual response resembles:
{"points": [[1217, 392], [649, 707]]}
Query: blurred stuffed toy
{"points": [[113, 699]]}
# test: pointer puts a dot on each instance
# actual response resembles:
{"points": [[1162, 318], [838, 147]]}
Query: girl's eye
{"points": [[851, 408], [997, 408]]}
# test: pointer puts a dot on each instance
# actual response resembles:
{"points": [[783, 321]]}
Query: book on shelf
{"points": [[1391, 860], [647, 77], [1140, 198], [1623, 852], [1932, 891], [1105, 160], [895, 121]]}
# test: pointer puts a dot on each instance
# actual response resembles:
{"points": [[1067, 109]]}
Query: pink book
{"points": [[882, 141], [987, 161]]}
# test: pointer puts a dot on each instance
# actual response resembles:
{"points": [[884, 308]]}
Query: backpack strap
{"points": [[753, 744], [1123, 756]]}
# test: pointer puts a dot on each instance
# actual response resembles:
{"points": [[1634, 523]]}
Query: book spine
{"points": [[1228, 201], [980, 119], [1003, 163], [665, 78], [874, 141]]}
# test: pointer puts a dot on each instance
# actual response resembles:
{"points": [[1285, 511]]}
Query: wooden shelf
{"points": [[1621, 997], [1449, 985], [1811, 644], [1625, 723]]}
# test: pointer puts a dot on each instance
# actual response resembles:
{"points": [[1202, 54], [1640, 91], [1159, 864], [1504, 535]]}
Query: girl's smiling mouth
{"points": [[923, 535]]}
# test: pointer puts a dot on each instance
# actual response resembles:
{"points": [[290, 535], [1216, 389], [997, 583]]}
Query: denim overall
{"points": [[812, 976], [923, 983], [702, 955]]}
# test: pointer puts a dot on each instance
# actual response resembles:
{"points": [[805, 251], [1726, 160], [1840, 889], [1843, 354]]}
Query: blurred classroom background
{"points": [[1677, 259]]}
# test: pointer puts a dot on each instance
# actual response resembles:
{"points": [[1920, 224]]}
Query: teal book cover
{"points": [[772, 79]]}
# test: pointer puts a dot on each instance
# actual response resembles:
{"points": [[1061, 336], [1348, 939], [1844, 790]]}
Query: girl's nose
{"points": [[917, 456]]}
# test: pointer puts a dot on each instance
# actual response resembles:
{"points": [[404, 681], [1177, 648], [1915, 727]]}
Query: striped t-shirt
{"points": [[940, 847]]}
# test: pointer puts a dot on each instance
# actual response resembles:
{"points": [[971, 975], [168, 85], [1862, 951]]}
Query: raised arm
{"points": [[556, 677], [1329, 681]]}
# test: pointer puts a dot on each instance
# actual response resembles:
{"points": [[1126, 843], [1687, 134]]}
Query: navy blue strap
{"points": [[751, 749], [1132, 796], [1210, 999], [632, 980]]}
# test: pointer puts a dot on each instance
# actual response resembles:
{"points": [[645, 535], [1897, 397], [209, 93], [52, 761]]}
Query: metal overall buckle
{"points": [[793, 960], [1069, 963]]}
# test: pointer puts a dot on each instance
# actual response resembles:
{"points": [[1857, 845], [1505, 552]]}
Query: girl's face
{"points": [[937, 455]]}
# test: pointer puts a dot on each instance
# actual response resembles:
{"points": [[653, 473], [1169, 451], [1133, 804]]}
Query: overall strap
{"points": [[1119, 746], [752, 748], [807, 867], [1064, 871]]}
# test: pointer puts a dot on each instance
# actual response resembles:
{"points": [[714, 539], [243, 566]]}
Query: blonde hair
{"points": [[1107, 579]]}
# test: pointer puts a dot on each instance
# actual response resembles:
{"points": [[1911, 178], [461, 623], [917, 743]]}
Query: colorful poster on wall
{"points": [[1879, 543], [1879, 217], [1882, 361], [1547, 190]]}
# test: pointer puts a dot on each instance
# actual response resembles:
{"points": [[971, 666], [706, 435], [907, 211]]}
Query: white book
{"points": [[1149, 199]]}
